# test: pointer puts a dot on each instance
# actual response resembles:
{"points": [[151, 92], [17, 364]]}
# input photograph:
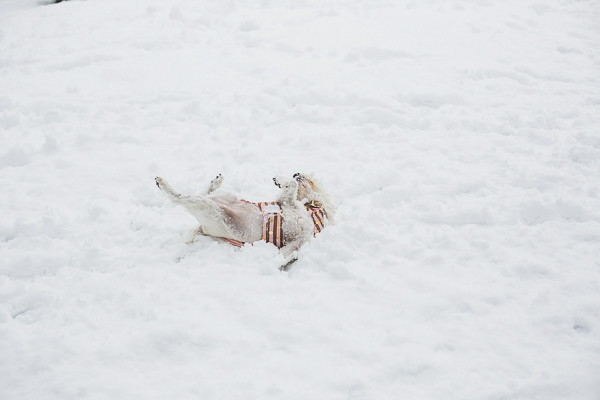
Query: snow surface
{"points": [[461, 138]]}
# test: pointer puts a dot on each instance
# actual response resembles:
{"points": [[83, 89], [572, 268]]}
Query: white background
{"points": [[461, 139]]}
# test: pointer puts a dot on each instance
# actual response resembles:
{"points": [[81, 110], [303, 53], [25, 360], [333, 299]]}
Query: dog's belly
{"points": [[244, 221]]}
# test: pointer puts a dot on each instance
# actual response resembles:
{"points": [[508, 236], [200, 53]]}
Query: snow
{"points": [[461, 139]]}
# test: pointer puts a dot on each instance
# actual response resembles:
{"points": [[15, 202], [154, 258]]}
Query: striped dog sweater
{"points": [[272, 231], [318, 215], [272, 221]]}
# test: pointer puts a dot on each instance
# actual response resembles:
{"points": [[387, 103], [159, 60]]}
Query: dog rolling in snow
{"points": [[302, 209]]}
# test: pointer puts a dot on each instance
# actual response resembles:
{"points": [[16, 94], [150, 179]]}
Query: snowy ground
{"points": [[462, 139]]}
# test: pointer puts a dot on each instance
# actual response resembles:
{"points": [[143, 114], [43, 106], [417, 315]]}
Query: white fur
{"points": [[223, 215], [310, 188]]}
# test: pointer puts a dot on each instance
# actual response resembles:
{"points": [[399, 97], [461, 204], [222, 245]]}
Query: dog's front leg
{"points": [[289, 252], [288, 265]]}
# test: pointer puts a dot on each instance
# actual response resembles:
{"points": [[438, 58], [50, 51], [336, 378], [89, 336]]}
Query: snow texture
{"points": [[461, 138]]}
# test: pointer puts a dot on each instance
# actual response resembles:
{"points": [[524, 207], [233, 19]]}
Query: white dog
{"points": [[303, 207]]}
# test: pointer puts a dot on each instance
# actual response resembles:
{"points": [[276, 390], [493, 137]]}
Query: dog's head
{"points": [[309, 189]]}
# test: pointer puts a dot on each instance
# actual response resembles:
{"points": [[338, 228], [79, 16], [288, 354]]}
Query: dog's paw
{"points": [[215, 184], [159, 182], [288, 265], [218, 179], [276, 181]]}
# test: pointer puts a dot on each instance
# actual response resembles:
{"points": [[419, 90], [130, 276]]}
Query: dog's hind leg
{"points": [[210, 217], [214, 184], [165, 187]]}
